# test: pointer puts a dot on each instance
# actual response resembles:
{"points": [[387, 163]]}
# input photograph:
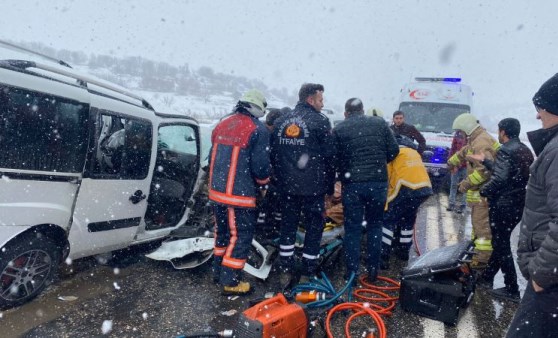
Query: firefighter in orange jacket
{"points": [[478, 141], [239, 169]]}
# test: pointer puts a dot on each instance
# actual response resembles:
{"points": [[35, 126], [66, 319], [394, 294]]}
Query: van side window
{"points": [[122, 147], [42, 132]]}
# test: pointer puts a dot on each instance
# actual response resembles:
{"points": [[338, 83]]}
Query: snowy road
{"points": [[144, 298]]}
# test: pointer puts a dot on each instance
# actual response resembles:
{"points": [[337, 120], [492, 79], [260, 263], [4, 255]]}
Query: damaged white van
{"points": [[86, 167]]}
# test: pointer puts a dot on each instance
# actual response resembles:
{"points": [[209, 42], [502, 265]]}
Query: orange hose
{"points": [[371, 309], [362, 310]]}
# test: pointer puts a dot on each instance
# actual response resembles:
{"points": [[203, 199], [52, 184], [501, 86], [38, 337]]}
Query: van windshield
{"points": [[432, 117]]}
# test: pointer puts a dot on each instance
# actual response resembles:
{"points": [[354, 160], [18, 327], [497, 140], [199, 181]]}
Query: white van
{"points": [[86, 168], [431, 105]]}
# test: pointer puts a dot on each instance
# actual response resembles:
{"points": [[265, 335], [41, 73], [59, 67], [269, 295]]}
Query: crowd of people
{"points": [[293, 161]]}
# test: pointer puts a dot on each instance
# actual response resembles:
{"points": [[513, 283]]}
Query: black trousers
{"points": [[503, 219], [311, 211], [537, 315]]}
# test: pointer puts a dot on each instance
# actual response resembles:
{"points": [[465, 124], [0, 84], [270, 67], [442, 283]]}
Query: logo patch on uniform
{"points": [[292, 131]]}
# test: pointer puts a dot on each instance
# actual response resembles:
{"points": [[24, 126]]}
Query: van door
{"points": [[175, 174], [43, 146], [112, 198]]}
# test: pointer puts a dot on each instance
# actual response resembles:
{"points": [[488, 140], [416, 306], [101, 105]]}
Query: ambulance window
{"points": [[123, 147], [42, 132]]}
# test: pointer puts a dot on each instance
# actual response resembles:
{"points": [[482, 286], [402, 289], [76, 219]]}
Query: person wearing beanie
{"points": [[478, 141], [365, 145], [238, 169], [537, 251]]}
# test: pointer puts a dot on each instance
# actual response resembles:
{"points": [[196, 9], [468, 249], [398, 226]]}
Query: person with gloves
{"points": [[478, 141], [239, 168]]}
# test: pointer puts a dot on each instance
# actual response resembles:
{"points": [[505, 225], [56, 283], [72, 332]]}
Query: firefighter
{"points": [[302, 152], [239, 168], [478, 141]]}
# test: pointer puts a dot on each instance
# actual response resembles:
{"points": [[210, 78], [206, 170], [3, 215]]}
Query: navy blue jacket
{"points": [[239, 160], [302, 151]]}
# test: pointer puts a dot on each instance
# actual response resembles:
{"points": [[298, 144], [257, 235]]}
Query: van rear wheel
{"points": [[27, 266]]}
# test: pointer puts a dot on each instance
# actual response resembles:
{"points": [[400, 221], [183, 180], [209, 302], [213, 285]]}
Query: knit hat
{"points": [[547, 96]]}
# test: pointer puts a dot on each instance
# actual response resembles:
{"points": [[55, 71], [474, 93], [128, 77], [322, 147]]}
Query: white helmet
{"points": [[466, 122], [255, 101]]}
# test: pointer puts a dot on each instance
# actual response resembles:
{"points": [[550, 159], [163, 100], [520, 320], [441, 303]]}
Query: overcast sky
{"points": [[504, 49]]}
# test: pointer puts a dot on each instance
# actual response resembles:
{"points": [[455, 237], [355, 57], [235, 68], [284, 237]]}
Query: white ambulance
{"points": [[86, 167], [431, 104]]}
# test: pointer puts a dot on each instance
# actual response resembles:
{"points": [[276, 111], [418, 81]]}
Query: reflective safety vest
{"points": [[406, 170]]}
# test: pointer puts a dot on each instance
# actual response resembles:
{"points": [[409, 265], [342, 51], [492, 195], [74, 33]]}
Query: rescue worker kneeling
{"points": [[239, 167], [409, 186]]}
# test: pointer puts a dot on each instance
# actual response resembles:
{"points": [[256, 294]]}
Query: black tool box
{"points": [[439, 283]]}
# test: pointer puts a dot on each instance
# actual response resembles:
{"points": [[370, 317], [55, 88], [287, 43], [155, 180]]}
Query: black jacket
{"points": [[365, 145], [510, 174], [302, 151], [411, 132]]}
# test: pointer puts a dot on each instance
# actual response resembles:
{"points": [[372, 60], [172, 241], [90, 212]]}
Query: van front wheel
{"points": [[27, 266]]}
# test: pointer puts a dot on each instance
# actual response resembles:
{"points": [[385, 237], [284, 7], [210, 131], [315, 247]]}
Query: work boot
{"points": [[243, 288], [460, 209], [450, 207], [505, 294]]}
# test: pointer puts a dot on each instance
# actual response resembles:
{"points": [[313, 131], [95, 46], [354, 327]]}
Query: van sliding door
{"points": [[113, 195]]}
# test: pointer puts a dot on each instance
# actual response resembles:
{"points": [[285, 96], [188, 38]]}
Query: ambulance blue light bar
{"points": [[438, 79]]}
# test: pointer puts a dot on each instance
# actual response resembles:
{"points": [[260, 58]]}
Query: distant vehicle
{"points": [[86, 167], [431, 104]]}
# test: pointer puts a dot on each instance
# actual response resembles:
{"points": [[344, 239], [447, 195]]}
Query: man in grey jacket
{"points": [[537, 315]]}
